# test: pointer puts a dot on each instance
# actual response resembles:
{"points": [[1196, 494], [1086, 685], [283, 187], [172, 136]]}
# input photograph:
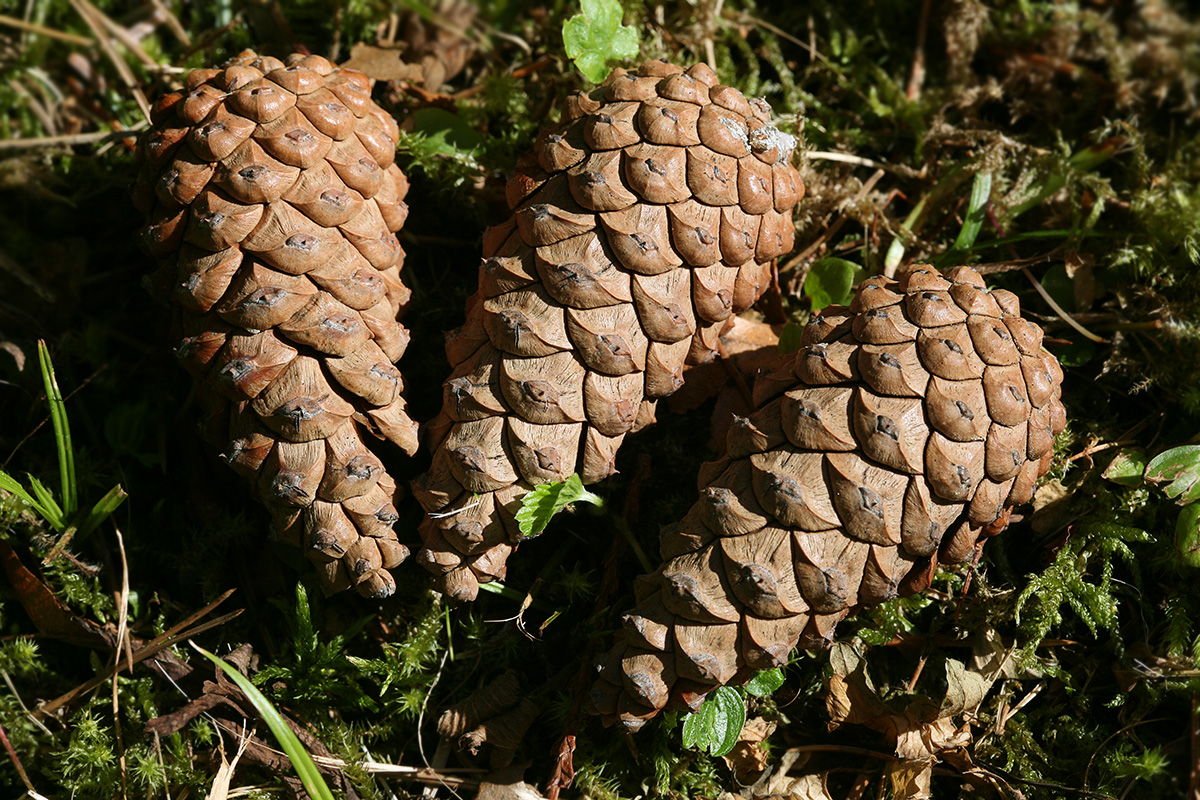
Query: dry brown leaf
{"points": [[1050, 507], [921, 732], [506, 784], [383, 64], [748, 758]]}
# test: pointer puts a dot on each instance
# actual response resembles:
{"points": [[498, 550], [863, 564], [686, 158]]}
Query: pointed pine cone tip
{"points": [[640, 223], [272, 202], [845, 488]]}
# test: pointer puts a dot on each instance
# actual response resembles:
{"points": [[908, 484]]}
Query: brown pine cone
{"points": [[640, 224], [896, 439], [272, 200]]}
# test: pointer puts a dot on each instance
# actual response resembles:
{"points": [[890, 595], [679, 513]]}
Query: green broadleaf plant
{"points": [[1127, 468], [596, 36], [765, 682], [715, 726], [718, 723], [540, 505], [829, 282], [1179, 468], [65, 518], [790, 338]]}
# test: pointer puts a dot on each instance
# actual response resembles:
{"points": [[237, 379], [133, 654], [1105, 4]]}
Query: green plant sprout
{"points": [[66, 518], [718, 723], [542, 502], [595, 36], [1179, 469]]}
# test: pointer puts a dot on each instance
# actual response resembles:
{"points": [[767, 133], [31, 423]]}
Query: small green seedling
{"points": [[65, 518], [596, 36], [830, 282], [540, 505], [718, 723]]}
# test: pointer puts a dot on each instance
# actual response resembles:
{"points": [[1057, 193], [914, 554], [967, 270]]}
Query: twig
{"points": [[50, 33], [122, 639], [916, 78], [992, 267], [831, 230], [124, 37], [95, 20], [846, 158], [782, 34], [8, 682], [12, 754], [170, 637], [173, 23], [1067, 318]]}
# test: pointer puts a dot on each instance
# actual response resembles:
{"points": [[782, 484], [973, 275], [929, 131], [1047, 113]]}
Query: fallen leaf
{"points": [[748, 758], [383, 64], [964, 689]]}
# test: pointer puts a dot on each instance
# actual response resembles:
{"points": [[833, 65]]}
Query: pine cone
{"points": [[895, 440], [640, 224], [272, 201]]}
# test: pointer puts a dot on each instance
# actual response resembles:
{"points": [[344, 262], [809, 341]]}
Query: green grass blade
{"points": [[977, 204], [48, 506], [104, 507], [981, 190], [314, 784], [62, 432], [9, 484]]}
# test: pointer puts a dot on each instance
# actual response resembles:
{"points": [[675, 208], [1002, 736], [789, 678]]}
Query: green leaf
{"points": [[715, 726], [765, 682], [981, 190], [1187, 535], [1127, 468], [829, 281], [1059, 285], [1179, 468], [302, 762], [540, 505], [596, 36], [789, 338]]}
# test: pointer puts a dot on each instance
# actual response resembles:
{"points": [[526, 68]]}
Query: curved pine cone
{"points": [[272, 200], [896, 439], [640, 224]]}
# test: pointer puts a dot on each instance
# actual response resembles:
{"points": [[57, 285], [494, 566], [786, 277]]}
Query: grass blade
{"points": [[314, 784], [62, 432], [104, 507], [9, 484], [48, 506], [977, 204], [981, 190]]}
